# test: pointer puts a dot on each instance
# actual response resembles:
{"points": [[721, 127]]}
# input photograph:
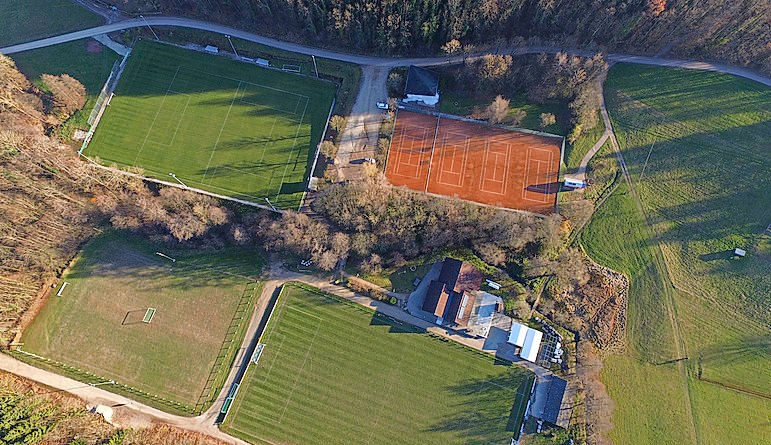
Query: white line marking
{"points": [[227, 115], [294, 144], [156, 115]]}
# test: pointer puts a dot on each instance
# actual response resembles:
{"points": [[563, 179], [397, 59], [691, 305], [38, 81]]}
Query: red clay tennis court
{"points": [[475, 162]]}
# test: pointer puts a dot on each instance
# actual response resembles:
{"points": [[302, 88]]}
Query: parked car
{"points": [[382, 105]]}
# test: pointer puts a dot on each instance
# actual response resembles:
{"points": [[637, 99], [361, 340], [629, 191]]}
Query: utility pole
{"points": [[271, 205], [148, 25], [231, 45], [315, 68]]}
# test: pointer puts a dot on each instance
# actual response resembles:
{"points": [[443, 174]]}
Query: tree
{"points": [[337, 123], [494, 69], [452, 47], [68, 95], [546, 120], [328, 149], [498, 110], [518, 117]]}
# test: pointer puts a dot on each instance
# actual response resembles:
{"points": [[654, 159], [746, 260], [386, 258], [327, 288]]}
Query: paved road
{"points": [[369, 60]]}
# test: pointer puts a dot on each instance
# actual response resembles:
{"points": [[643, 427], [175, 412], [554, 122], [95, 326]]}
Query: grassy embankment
{"points": [[700, 194], [28, 20], [73, 58]]}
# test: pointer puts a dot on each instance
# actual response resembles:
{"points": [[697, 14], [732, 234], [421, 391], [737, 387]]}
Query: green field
{"points": [[701, 193], [27, 20], [333, 372], [227, 127], [182, 354]]}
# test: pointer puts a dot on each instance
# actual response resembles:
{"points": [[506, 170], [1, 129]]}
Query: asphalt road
{"points": [[369, 60]]}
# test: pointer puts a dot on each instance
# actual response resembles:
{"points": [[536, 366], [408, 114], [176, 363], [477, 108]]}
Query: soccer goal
{"points": [[149, 315]]}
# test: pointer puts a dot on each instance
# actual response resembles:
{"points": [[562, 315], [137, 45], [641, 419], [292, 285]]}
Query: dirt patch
{"points": [[92, 46], [37, 305]]}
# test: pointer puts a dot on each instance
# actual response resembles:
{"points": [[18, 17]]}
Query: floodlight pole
{"points": [[271, 205], [148, 25], [232, 46], [178, 180], [315, 68]]}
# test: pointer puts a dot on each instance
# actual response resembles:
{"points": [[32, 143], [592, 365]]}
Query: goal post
{"points": [[149, 315]]}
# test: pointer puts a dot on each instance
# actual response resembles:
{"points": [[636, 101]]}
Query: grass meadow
{"points": [[27, 20], [695, 145], [333, 372], [181, 355], [226, 127]]}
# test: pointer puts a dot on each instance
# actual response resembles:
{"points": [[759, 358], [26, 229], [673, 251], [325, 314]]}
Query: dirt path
{"points": [[360, 136]]}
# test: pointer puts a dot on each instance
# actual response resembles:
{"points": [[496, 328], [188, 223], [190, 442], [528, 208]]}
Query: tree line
{"points": [[574, 80], [702, 28]]}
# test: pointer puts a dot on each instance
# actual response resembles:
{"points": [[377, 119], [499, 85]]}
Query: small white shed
{"points": [[532, 345], [517, 334], [211, 49]]}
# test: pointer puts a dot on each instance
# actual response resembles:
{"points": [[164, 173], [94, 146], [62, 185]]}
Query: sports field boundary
{"points": [[318, 151], [180, 186], [103, 100], [91, 379]]}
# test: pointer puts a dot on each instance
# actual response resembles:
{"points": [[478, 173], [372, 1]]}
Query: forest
{"points": [[735, 32]]}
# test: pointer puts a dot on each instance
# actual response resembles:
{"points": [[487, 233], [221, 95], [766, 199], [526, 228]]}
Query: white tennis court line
{"points": [[156, 115], [545, 197], [294, 144], [221, 130], [442, 170], [404, 153], [495, 165]]}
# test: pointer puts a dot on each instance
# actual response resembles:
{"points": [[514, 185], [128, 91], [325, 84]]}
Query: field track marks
{"points": [[668, 286], [224, 123]]}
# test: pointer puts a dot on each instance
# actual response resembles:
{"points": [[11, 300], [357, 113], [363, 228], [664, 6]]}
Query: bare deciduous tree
{"points": [[498, 110]]}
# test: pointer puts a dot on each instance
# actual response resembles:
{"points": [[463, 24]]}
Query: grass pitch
{"points": [[27, 20], [696, 147], [335, 373], [181, 355], [227, 127]]}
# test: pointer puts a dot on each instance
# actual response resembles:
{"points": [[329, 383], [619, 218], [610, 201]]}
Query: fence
{"points": [[103, 100]]}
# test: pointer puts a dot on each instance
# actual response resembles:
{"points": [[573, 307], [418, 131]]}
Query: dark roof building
{"points": [[422, 86], [451, 297], [553, 411]]}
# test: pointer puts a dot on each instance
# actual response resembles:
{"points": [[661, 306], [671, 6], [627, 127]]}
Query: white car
{"points": [[382, 105]]}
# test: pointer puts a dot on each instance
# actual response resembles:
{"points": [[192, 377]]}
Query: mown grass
{"points": [[694, 145], [96, 325], [227, 127], [91, 69], [347, 75], [27, 20], [333, 372]]}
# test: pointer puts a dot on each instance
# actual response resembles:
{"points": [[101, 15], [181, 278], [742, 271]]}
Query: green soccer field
{"points": [[226, 127], [28, 20], [202, 304], [333, 372]]}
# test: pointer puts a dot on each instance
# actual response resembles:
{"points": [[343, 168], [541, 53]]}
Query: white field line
{"points": [[265, 150], [297, 376], [227, 115], [181, 118], [156, 114], [294, 144]]}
